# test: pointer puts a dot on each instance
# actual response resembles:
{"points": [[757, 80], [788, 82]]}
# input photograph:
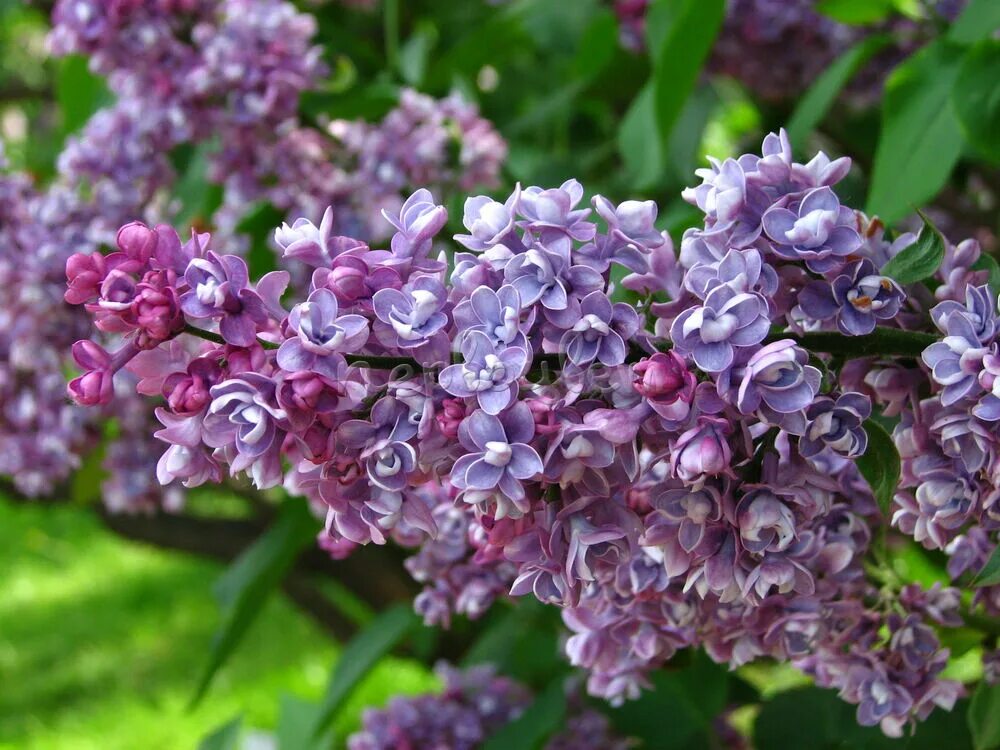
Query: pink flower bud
{"points": [[450, 417], [84, 274], [137, 241]]}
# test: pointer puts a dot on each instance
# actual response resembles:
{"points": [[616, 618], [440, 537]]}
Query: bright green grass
{"points": [[101, 642]]}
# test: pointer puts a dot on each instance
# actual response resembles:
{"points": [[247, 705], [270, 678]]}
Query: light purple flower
{"points": [[413, 313], [837, 425], [741, 270], [497, 314], [601, 332], [723, 192], [488, 375], [702, 451], [321, 336], [727, 319], [538, 276], [315, 246], [499, 455], [957, 360], [550, 215], [382, 445], [820, 232], [489, 223], [980, 307], [858, 298], [219, 289], [778, 378], [419, 220], [244, 416]]}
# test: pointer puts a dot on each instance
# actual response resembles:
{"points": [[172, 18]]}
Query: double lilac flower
{"points": [[220, 289], [601, 332], [837, 425], [777, 379], [858, 297], [382, 444], [488, 375], [497, 314], [245, 418], [711, 332], [321, 335], [499, 456], [414, 313], [820, 232]]}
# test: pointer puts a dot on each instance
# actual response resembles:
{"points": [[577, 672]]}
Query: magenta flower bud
{"points": [[96, 385], [347, 282], [84, 274], [157, 309], [667, 384], [188, 393], [137, 241], [450, 417]]}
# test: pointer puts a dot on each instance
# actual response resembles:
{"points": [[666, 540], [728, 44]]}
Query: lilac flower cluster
{"points": [[473, 704], [680, 472], [182, 70]]}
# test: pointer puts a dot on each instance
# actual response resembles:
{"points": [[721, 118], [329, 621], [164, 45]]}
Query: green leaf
{"points": [[683, 149], [79, 92], [198, 197], [296, 718], [976, 97], [597, 46], [984, 717], [226, 737], [977, 22], [989, 263], [679, 59], [539, 720], [813, 718], [359, 656], [245, 586], [990, 574], [816, 102], [856, 12], [85, 484], [920, 260], [879, 464], [920, 139], [259, 223], [415, 53], [685, 699], [639, 143]]}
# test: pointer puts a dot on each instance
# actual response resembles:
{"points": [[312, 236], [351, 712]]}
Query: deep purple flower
{"points": [[498, 452], [219, 289], [414, 313], [601, 332], [487, 374], [778, 378], [957, 360], [321, 335], [766, 522], [692, 511], [497, 314], [964, 437], [245, 417], [837, 425], [727, 319], [878, 697], [858, 298], [820, 232]]}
